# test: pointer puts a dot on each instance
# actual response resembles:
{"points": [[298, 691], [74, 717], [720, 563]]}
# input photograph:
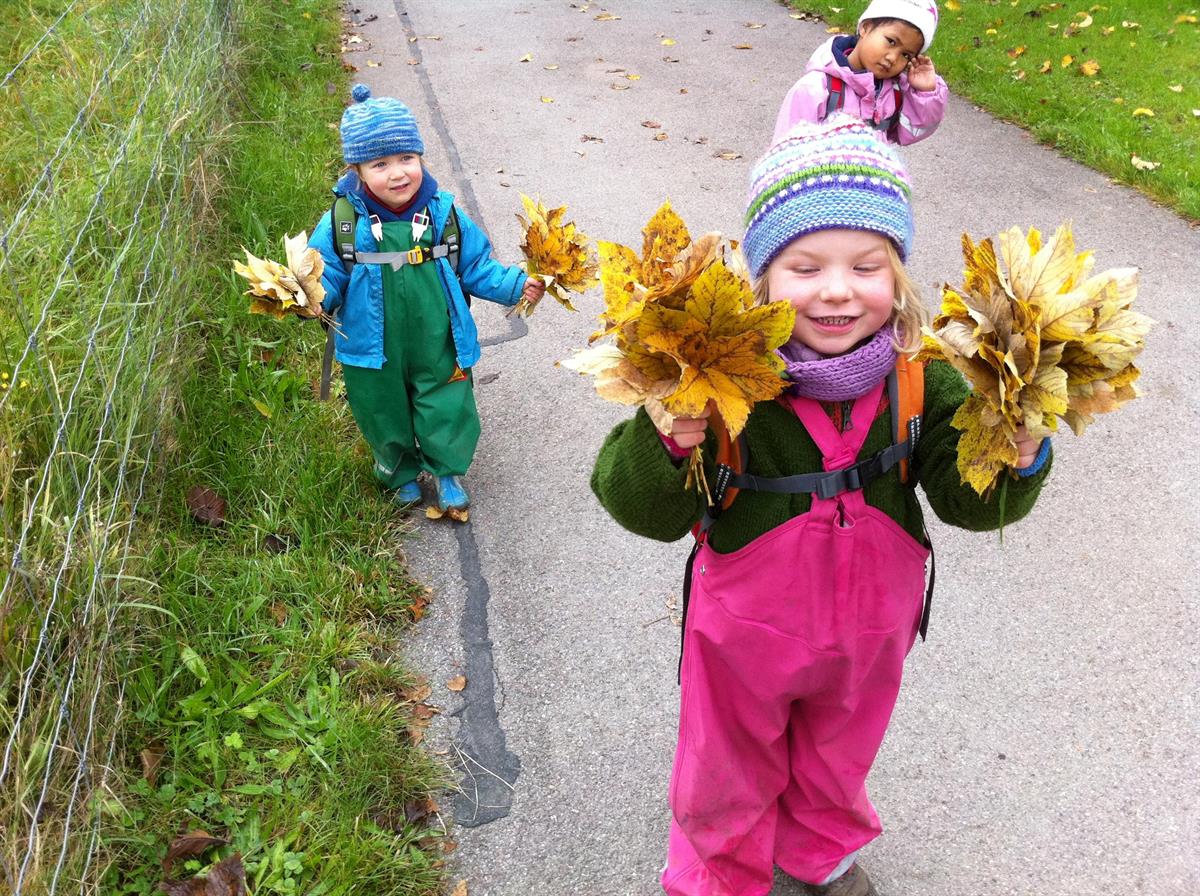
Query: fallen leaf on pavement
{"points": [[457, 683]]}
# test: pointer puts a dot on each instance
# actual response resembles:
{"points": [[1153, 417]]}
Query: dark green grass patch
{"points": [[1115, 86], [264, 684]]}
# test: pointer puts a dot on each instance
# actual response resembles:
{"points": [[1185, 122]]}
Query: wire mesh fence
{"points": [[106, 109]]}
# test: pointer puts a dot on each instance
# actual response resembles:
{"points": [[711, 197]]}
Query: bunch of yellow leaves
{"points": [[1039, 338], [294, 288], [556, 252], [681, 328]]}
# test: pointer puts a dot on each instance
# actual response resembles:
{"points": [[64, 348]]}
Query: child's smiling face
{"points": [[395, 179], [841, 284], [886, 49]]}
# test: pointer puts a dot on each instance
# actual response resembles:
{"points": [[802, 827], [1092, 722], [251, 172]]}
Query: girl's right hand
{"points": [[688, 432]]}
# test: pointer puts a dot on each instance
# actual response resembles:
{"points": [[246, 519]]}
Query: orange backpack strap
{"points": [[910, 403], [730, 461]]}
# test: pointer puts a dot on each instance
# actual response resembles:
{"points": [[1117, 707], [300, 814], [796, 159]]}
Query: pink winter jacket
{"points": [[920, 111]]}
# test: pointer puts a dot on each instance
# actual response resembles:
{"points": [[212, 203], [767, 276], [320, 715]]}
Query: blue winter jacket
{"points": [[357, 298]]}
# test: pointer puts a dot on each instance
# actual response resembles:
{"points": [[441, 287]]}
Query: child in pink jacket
{"points": [[880, 75]]}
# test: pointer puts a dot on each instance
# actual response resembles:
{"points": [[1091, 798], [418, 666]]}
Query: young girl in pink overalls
{"points": [[806, 593]]}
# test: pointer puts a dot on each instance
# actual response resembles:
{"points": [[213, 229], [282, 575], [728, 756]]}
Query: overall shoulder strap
{"points": [[344, 220]]}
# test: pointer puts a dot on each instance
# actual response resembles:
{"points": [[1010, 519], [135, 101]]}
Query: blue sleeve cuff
{"points": [[1038, 462]]}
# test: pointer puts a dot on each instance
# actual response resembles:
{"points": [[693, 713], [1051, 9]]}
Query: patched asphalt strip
{"points": [[490, 770]]}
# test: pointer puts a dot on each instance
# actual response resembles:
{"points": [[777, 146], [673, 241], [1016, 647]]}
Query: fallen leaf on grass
{"points": [[1143, 112], [1067, 60], [1045, 67], [1091, 68], [1175, 88], [1142, 165], [206, 506], [190, 845], [457, 683], [152, 758], [227, 878]]}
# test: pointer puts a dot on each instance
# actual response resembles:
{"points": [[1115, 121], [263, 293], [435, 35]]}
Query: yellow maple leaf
{"points": [[282, 289], [684, 329], [1091, 68], [557, 252], [723, 345], [1040, 337]]}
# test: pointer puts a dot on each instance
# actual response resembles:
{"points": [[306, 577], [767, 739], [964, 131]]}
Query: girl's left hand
{"points": [[534, 290], [921, 74], [1027, 448]]}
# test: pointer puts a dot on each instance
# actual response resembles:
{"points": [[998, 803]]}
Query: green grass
{"points": [[1025, 62], [261, 684]]}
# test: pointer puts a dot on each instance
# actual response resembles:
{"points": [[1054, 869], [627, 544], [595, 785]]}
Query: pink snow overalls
{"points": [[793, 652]]}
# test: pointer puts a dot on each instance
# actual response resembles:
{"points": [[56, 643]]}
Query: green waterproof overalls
{"points": [[417, 412]]}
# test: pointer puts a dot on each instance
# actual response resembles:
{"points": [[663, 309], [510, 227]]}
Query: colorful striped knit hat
{"points": [[372, 128], [838, 173]]}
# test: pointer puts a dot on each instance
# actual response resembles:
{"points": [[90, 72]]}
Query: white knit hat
{"points": [[921, 14]]}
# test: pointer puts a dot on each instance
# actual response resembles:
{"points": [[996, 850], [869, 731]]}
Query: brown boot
{"points": [[853, 883]]}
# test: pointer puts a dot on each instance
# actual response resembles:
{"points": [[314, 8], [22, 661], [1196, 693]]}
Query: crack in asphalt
{"points": [[490, 770]]}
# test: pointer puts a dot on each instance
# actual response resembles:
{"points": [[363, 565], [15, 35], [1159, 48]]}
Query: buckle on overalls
{"points": [[415, 255]]}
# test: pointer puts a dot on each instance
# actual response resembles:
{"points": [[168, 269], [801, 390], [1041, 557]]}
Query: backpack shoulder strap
{"points": [[344, 220], [451, 237], [906, 394], [837, 94]]}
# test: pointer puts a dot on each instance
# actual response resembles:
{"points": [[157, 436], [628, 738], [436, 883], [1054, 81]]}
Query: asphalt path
{"points": [[1045, 740]]}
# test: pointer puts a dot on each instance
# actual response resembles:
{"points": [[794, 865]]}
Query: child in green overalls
{"points": [[405, 336]]}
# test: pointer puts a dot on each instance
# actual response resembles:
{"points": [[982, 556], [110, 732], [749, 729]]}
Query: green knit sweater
{"points": [[643, 488]]}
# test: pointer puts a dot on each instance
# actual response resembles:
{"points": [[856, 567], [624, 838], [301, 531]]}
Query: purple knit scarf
{"points": [[843, 377]]}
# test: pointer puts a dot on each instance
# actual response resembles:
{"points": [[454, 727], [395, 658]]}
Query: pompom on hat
{"points": [[375, 127], [921, 14], [838, 173]]}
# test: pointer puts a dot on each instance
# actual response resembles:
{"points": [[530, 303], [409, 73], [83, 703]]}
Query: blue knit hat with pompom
{"points": [[376, 127]]}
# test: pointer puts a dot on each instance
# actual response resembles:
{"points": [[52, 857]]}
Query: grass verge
{"points": [[1113, 86], [237, 679]]}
